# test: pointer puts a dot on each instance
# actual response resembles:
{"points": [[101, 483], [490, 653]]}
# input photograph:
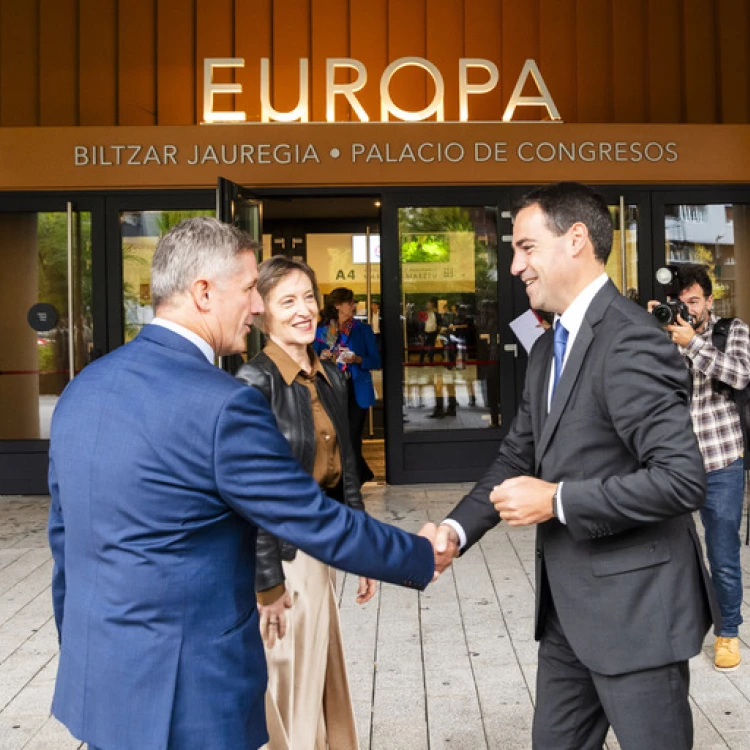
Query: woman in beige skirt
{"points": [[308, 704]]}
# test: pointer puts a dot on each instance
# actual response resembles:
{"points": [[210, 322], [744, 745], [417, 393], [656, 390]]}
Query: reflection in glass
{"points": [[140, 232], [35, 365], [717, 236], [449, 317], [622, 265]]}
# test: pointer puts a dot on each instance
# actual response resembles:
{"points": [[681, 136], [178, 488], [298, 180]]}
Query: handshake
{"points": [[445, 545], [519, 501]]}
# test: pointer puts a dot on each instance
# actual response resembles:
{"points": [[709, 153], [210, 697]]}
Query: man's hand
{"points": [[273, 619], [366, 590], [682, 332], [522, 501], [446, 547]]}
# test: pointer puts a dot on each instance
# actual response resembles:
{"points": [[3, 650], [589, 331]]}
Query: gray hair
{"points": [[201, 247]]}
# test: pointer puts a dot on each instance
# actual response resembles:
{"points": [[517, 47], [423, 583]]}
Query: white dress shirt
{"points": [[572, 319]]}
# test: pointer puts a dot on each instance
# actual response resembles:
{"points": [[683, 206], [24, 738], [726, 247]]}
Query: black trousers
{"points": [[648, 710]]}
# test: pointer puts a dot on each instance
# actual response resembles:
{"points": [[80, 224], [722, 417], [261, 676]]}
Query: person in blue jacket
{"points": [[162, 469], [352, 345]]}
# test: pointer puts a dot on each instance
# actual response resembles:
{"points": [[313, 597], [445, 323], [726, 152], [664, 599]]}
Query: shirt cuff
{"points": [[458, 529], [269, 596], [559, 511]]}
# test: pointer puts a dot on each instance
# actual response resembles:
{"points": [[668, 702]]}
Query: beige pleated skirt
{"points": [[308, 702]]}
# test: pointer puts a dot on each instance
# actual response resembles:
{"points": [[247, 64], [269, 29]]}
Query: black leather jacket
{"points": [[291, 406]]}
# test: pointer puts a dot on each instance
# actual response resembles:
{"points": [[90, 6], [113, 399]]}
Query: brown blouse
{"points": [[327, 465]]}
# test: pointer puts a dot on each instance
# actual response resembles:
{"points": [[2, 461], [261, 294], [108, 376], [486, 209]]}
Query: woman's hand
{"points": [[273, 619], [366, 590], [325, 354]]}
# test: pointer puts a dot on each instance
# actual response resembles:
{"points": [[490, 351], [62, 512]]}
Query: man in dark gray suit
{"points": [[602, 458]]}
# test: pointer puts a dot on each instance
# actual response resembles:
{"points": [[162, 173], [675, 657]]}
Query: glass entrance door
{"points": [[49, 326], [452, 304]]}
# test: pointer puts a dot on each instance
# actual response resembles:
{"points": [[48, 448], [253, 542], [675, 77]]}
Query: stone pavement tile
{"points": [[25, 564], [734, 740], [454, 722], [22, 625], [19, 669], [25, 591], [53, 736]]}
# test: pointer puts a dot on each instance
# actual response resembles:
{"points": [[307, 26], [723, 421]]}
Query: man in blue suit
{"points": [[162, 467]]}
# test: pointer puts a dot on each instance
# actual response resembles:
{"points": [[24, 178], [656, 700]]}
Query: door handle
{"points": [[511, 348]]}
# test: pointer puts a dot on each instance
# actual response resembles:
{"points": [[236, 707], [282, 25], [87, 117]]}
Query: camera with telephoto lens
{"points": [[666, 312]]}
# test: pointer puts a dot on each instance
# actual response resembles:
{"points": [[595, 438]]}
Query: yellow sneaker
{"points": [[727, 654]]}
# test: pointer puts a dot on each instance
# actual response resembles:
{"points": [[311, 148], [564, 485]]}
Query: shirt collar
{"points": [[572, 318], [193, 338], [288, 368]]}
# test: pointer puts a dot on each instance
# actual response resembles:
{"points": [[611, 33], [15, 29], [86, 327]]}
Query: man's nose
{"points": [[517, 264], [256, 303]]}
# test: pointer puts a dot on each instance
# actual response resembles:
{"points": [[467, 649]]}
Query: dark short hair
{"points": [[273, 270], [335, 297], [687, 274], [566, 203]]}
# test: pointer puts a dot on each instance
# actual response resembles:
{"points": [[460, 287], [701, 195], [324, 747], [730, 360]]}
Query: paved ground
{"points": [[453, 667]]}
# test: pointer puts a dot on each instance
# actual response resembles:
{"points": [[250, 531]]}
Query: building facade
{"points": [[382, 142]]}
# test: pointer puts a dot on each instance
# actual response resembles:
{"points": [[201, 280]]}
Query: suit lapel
{"points": [[572, 368]]}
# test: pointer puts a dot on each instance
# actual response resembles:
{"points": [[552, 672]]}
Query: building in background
{"points": [[327, 128]]}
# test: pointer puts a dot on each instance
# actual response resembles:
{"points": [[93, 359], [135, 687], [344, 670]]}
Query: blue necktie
{"points": [[560, 344]]}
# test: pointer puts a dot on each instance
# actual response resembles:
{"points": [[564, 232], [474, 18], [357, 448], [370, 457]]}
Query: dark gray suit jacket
{"points": [[626, 573]]}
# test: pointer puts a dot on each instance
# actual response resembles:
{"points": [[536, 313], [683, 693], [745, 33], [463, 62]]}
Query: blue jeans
{"points": [[722, 518]]}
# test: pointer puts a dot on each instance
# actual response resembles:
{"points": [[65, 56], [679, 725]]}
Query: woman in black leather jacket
{"points": [[309, 399]]}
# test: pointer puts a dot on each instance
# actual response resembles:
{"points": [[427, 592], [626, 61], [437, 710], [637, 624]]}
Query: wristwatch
{"points": [[554, 501]]}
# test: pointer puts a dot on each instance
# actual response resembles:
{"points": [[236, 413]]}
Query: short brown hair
{"points": [[272, 271]]}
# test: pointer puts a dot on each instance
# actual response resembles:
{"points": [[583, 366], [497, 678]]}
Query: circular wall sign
{"points": [[42, 316]]}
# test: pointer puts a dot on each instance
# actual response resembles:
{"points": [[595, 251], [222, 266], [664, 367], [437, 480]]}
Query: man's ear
{"points": [[579, 237], [710, 301], [199, 290]]}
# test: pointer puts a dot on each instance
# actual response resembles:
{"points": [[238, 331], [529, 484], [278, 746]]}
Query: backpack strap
{"points": [[719, 337]]}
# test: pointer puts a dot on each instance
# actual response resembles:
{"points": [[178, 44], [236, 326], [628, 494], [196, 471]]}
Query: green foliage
{"points": [[424, 248]]}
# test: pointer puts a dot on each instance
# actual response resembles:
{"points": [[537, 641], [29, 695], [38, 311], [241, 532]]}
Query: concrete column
{"points": [[19, 394]]}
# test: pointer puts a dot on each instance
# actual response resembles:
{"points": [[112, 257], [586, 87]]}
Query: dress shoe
{"points": [[727, 654]]}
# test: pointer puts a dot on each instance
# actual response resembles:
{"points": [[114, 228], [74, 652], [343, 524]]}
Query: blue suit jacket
{"points": [[362, 342], [161, 465]]}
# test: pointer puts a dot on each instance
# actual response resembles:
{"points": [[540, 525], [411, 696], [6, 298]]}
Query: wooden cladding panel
{"points": [[629, 70], [557, 54], [483, 39], [136, 62], [407, 38], [291, 41], [176, 63], [520, 42], [368, 43], [445, 46], [701, 103], [252, 41], [58, 62], [140, 62], [19, 63], [733, 33], [329, 38], [214, 37], [97, 49], [594, 69], [665, 60]]}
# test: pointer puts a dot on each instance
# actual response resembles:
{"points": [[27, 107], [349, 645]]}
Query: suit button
{"points": [[539, 554]]}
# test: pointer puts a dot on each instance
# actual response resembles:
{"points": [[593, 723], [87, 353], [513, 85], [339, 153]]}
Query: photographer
{"points": [[717, 426]]}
